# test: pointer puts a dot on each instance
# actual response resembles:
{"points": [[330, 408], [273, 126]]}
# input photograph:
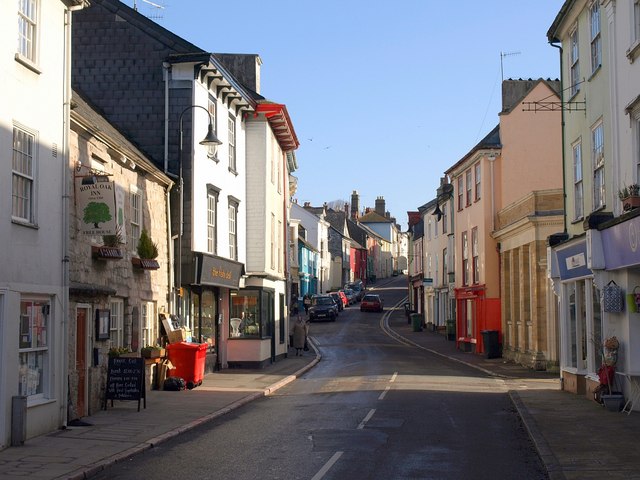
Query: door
{"points": [[82, 362]]}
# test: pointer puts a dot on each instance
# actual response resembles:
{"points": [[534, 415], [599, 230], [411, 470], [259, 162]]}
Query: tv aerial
{"points": [[502, 55], [155, 9]]}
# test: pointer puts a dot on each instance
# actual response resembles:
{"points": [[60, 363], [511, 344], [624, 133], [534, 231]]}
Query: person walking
{"points": [[307, 303], [299, 331]]}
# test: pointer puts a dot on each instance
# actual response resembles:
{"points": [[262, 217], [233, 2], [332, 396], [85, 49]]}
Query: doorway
{"points": [[83, 314]]}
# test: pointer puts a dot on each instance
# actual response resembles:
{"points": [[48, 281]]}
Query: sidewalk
{"points": [[576, 438]]}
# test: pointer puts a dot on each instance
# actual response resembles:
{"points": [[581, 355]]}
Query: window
{"points": [[27, 28], [636, 21], [212, 106], [477, 172], [116, 332], [577, 182], [460, 193], [445, 268], [273, 242], [212, 221], [233, 232], [135, 198], [596, 41], [574, 64], [636, 135], [33, 368], [583, 325], [465, 259], [445, 207], [279, 246], [475, 255], [232, 143], [597, 155], [279, 172], [149, 330], [468, 178], [23, 176], [428, 232], [252, 313]]}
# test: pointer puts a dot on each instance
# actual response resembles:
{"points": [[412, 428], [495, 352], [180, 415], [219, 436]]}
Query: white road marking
{"points": [[383, 394], [325, 468], [393, 377], [366, 419]]}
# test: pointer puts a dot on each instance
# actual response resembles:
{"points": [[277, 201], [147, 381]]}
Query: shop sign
{"points": [[218, 271], [97, 208], [427, 282], [621, 244], [572, 261]]}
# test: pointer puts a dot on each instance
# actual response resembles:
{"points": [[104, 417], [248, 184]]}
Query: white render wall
{"points": [[32, 257]]}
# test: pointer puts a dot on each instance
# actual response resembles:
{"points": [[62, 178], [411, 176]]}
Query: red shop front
{"points": [[474, 314]]}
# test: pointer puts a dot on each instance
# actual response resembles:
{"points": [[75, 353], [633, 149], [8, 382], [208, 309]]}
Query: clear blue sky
{"points": [[384, 96]]}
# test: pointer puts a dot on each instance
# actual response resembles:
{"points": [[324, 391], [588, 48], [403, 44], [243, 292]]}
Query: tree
{"points": [[337, 205], [96, 212]]}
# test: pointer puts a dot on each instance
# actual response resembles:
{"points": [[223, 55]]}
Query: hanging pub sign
{"points": [[96, 206]]}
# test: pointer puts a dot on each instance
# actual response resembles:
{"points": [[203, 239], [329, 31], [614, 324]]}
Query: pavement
{"points": [[575, 437]]}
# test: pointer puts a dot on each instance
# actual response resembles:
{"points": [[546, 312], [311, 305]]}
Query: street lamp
{"points": [[212, 142]]}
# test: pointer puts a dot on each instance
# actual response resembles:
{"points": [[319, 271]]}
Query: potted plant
{"points": [[630, 196], [118, 351], [612, 400], [152, 351], [147, 253], [110, 248]]}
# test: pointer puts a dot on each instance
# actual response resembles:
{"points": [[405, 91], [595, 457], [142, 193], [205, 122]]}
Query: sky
{"points": [[384, 96]]}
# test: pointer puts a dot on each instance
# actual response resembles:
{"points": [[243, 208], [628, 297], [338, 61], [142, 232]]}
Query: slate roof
{"points": [[490, 141], [374, 217]]}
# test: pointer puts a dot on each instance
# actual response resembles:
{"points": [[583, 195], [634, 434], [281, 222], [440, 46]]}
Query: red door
{"points": [[81, 360]]}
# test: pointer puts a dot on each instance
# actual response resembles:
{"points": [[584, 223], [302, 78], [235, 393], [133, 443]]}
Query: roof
{"points": [[552, 33], [515, 91], [280, 122], [490, 141], [374, 217], [336, 219], [89, 118]]}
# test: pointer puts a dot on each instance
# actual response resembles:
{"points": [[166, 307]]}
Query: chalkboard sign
{"points": [[125, 380]]}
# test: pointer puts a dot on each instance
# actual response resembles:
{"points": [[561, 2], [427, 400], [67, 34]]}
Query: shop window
{"points": [[205, 314], [33, 368], [252, 314]]}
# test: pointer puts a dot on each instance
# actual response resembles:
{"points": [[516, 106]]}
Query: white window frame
{"points": [[34, 347], [232, 143], [28, 12], [574, 62], [475, 257], [578, 183], [212, 109], [465, 260], [478, 178], [116, 327], [581, 325], [595, 36], [233, 230], [635, 30], [24, 171], [212, 221], [460, 192], [273, 242], [279, 235], [135, 219], [149, 333], [468, 181], [597, 157]]}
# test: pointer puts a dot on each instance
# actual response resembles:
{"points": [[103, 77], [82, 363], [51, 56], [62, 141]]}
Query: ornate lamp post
{"points": [[212, 142]]}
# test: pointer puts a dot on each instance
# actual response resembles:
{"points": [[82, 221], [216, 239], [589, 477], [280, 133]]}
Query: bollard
{"points": [[18, 420]]}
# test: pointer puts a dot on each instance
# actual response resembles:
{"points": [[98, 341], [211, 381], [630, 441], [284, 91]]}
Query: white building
{"points": [[317, 234], [34, 116]]}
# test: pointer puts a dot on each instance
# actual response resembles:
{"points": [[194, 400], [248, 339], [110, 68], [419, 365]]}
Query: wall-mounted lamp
{"points": [[437, 212]]}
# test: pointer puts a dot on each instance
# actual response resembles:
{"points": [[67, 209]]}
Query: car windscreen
{"points": [[323, 301]]}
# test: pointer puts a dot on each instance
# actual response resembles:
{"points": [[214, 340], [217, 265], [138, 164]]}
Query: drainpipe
{"points": [[554, 43], [166, 68], [492, 159]]}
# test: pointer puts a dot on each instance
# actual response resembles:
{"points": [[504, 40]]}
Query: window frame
{"points": [[43, 337], [578, 181], [28, 31], [116, 325], [465, 259], [574, 62], [26, 177], [478, 178], [257, 318], [460, 193], [231, 141], [233, 229], [468, 182], [598, 161], [595, 38], [212, 220], [475, 256], [212, 108], [148, 325], [135, 218]]}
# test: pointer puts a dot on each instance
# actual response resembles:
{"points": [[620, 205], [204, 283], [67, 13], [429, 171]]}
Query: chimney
{"points": [[346, 209], [380, 206], [355, 205], [245, 67], [307, 204]]}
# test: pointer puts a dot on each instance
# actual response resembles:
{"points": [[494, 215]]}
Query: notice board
{"points": [[125, 380]]}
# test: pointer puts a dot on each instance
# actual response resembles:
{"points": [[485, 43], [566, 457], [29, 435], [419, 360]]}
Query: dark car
{"points": [[323, 307], [358, 288], [371, 303], [351, 295], [338, 299]]}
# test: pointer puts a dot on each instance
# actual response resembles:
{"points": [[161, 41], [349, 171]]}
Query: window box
{"points": [[145, 263], [106, 253]]}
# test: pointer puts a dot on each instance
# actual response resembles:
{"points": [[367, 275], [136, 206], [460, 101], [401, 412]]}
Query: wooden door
{"points": [[82, 315]]}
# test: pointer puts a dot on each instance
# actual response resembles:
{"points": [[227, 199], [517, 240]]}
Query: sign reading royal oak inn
{"points": [[97, 208]]}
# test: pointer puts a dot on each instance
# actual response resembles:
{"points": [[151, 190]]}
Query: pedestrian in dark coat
{"points": [[307, 303]]}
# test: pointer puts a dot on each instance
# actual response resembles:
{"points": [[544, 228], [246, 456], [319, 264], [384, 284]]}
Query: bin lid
{"points": [[186, 346]]}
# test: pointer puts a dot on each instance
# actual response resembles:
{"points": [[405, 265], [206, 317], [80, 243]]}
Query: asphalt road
{"points": [[373, 408]]}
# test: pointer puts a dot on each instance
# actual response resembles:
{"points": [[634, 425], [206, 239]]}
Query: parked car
{"points": [[357, 287], [351, 295], [338, 299], [323, 307], [371, 303]]}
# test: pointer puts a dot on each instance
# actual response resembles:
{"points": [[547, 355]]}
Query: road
{"points": [[373, 408]]}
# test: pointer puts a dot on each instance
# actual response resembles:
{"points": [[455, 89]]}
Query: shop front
{"points": [[208, 312], [475, 313], [579, 313]]}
